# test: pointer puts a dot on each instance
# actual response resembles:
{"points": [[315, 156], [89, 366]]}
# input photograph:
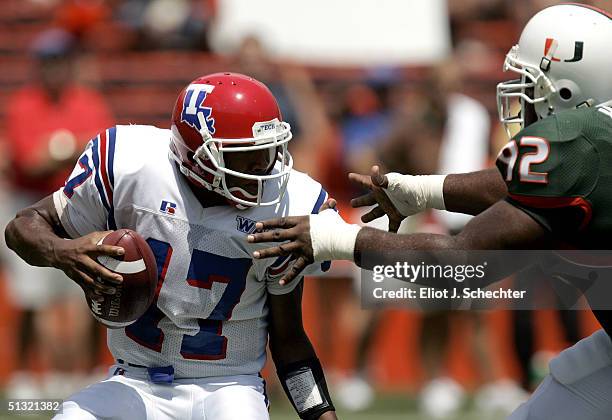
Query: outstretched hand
{"points": [[294, 233], [376, 183]]}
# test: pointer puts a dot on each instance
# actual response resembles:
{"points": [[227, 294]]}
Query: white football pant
{"points": [[131, 395]]}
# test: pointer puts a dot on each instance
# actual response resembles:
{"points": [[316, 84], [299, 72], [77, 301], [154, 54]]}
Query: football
{"points": [[137, 291]]}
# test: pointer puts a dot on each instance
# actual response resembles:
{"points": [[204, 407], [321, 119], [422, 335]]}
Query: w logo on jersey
{"points": [[245, 225], [193, 108]]}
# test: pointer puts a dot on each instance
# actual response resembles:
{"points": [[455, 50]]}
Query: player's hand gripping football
{"points": [[77, 258], [377, 184], [294, 232]]}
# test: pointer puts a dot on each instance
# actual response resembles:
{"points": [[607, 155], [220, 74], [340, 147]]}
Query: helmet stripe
{"points": [[587, 6]]}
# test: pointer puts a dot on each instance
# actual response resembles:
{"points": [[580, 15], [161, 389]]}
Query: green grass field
{"points": [[387, 407]]}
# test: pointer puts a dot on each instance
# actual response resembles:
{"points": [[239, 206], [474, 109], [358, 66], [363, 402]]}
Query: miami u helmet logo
{"points": [[550, 47]]}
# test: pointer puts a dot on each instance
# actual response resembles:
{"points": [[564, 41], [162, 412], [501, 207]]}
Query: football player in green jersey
{"points": [[552, 189]]}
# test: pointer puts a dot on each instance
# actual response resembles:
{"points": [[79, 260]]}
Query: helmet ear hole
{"points": [[565, 94]]}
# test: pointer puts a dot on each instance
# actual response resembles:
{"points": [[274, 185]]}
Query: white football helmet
{"points": [[564, 61]]}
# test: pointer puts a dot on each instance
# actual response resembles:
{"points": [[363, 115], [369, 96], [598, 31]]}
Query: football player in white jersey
{"points": [[194, 192]]}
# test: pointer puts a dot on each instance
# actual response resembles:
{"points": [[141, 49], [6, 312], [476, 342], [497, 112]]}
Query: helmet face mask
{"points": [[254, 146], [562, 62], [522, 90], [213, 151]]}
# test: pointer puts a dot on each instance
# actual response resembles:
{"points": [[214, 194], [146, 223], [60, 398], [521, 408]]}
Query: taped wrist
{"points": [[304, 383], [332, 238], [411, 194]]}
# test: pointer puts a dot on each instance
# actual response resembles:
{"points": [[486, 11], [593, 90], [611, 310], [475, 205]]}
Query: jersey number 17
{"points": [[205, 269]]}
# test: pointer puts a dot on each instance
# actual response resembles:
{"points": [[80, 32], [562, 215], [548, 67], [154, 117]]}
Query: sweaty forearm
{"points": [[483, 233], [377, 247], [32, 237], [474, 192]]}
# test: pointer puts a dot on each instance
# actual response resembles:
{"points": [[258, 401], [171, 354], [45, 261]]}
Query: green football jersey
{"points": [[559, 171]]}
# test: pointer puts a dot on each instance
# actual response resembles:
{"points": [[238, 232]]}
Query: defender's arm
{"points": [[399, 196], [500, 227], [326, 236], [474, 192]]}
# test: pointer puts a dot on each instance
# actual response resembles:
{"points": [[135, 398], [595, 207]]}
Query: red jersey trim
{"points": [[556, 203]]}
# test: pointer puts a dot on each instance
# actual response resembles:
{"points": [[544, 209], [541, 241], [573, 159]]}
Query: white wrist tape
{"points": [[411, 194], [332, 238]]}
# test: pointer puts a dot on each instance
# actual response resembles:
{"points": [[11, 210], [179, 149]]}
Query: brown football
{"points": [[137, 291]]}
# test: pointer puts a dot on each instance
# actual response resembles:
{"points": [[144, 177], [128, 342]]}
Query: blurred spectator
{"points": [[488, 21], [48, 124], [252, 59], [91, 22], [50, 120], [168, 24], [80, 16], [522, 10], [365, 122], [434, 128], [299, 101], [413, 141], [404, 137], [464, 148]]}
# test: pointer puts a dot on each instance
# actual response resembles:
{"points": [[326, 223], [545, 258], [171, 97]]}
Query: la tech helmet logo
{"points": [[194, 112], [550, 47]]}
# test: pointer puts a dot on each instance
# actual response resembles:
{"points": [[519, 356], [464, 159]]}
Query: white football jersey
{"points": [[209, 317]]}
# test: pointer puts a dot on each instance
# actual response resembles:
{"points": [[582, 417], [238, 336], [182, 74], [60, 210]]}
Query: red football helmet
{"points": [[226, 113]]}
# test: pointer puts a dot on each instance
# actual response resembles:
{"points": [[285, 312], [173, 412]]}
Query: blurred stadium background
{"points": [[409, 84]]}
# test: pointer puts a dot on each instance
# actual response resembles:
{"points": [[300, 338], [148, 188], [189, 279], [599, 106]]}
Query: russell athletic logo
{"points": [[167, 207]]}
